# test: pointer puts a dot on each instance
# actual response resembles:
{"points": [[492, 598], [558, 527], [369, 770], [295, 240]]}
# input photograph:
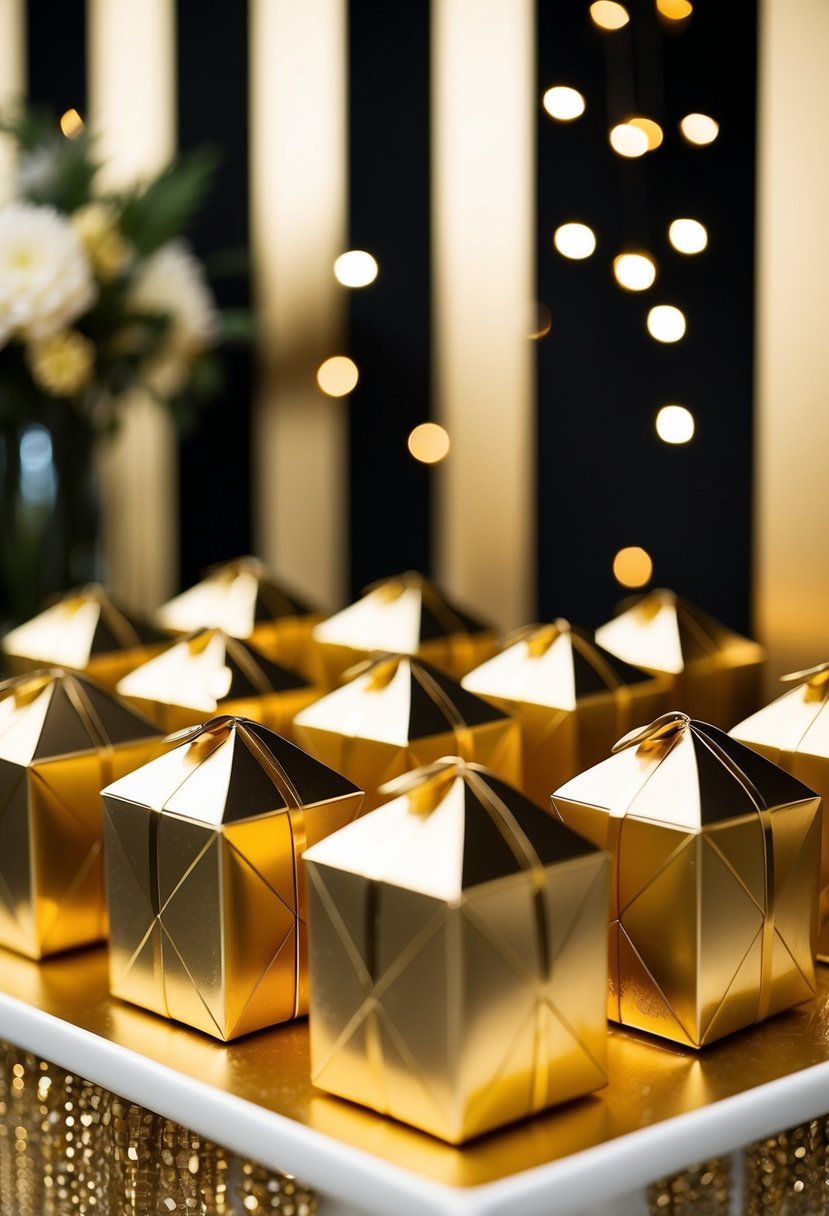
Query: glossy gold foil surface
{"points": [[794, 732], [716, 854], [458, 954], [403, 615], [210, 672], [206, 892], [571, 699], [84, 630], [397, 714], [62, 737], [714, 674]]}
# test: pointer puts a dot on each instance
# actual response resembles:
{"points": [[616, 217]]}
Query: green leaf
{"points": [[163, 210]]}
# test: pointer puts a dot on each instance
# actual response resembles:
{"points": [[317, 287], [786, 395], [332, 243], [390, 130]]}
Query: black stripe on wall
{"points": [[605, 479], [390, 320], [56, 55]]}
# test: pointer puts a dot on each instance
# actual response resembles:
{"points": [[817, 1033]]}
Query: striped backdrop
{"points": [[416, 131]]}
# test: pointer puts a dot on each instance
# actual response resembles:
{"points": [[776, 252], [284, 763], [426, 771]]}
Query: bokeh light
{"points": [[675, 424], [563, 103], [574, 240], [674, 10], [666, 323], [634, 271], [699, 128], [651, 129], [609, 15], [71, 124], [688, 236], [539, 321], [628, 141], [338, 376], [632, 566], [355, 268], [429, 443]]}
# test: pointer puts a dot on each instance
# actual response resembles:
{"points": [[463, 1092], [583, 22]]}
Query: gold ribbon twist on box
{"points": [[458, 956], [210, 672], [398, 713], [714, 897], [86, 631], [62, 737], [403, 615], [571, 698], [794, 732], [241, 599], [206, 892], [714, 673]]}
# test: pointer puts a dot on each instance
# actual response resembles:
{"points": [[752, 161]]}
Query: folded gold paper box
{"points": [[86, 631], [458, 956], [206, 892], [239, 598], [794, 732], [403, 615], [714, 896], [210, 672], [571, 698], [398, 714], [714, 673], [62, 737]]}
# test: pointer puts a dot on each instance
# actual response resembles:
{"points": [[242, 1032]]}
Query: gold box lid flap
{"points": [[685, 774], [661, 631], [227, 770], [83, 623], [795, 722], [57, 713], [397, 615], [454, 826], [235, 596], [395, 699], [205, 668]]}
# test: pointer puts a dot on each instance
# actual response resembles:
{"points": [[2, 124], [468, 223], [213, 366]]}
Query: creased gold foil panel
{"points": [[12, 78], [298, 223], [131, 56]]}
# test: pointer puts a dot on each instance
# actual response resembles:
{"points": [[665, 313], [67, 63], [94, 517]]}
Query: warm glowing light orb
{"points": [[539, 321], [633, 566], [674, 10], [563, 103], [629, 141], [688, 236], [675, 424], [699, 128], [71, 124], [634, 271], [652, 130], [574, 241], [337, 376], [355, 268], [429, 443], [609, 15], [666, 323]]}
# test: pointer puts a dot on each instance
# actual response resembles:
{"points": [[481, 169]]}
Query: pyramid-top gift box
{"points": [[714, 673], [458, 956], [206, 891], [62, 737], [714, 897], [86, 631], [403, 615]]}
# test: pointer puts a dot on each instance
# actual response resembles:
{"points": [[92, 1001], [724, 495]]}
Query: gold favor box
{"points": [[714, 673], [239, 598], [714, 898], [458, 956], [62, 737], [206, 892], [403, 615], [398, 714], [210, 672], [84, 630], [794, 732], [572, 699]]}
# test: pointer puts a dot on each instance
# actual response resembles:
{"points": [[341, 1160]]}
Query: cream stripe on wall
{"points": [[792, 420], [298, 221], [483, 225], [12, 77], [132, 105]]}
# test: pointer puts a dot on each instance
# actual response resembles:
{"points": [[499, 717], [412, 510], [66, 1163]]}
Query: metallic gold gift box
{"points": [[572, 701], [405, 614], [714, 673], [458, 956], [794, 732], [714, 896], [210, 672], [239, 598], [206, 892], [62, 737], [397, 714], [84, 630]]}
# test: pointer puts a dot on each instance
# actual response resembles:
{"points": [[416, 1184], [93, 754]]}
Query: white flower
{"points": [[172, 281], [45, 276]]}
